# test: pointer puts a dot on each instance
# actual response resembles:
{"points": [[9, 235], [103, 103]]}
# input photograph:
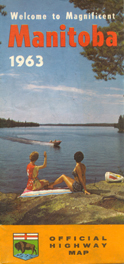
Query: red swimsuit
{"points": [[33, 182]]}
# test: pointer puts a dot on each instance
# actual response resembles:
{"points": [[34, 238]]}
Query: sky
{"points": [[63, 89]]}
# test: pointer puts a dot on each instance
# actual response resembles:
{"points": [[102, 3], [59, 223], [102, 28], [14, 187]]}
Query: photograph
{"points": [[61, 131]]}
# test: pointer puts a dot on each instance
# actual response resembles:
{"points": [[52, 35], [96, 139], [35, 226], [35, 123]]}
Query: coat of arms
{"points": [[25, 246]]}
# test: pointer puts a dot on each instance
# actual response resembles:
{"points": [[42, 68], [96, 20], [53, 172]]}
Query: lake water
{"points": [[103, 149]]}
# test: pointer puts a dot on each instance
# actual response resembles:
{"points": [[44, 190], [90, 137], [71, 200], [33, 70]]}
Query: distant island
{"points": [[11, 123]]}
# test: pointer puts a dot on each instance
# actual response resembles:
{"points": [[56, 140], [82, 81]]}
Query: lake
{"points": [[103, 149]]}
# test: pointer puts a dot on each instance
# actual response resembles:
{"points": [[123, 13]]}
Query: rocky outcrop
{"points": [[105, 205]]}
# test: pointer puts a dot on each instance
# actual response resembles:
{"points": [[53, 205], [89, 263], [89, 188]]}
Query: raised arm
{"points": [[45, 162]]}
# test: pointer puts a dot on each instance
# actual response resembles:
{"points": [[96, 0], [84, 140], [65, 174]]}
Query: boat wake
{"points": [[27, 141]]}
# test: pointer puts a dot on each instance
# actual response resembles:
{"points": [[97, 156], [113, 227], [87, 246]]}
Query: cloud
{"points": [[9, 74], [113, 99], [60, 88], [114, 88], [89, 95], [113, 95]]}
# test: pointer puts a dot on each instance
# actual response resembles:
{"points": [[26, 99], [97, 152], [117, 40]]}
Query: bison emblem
{"points": [[25, 246]]}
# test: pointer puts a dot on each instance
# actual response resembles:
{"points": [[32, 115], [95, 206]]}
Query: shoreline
{"points": [[90, 124]]}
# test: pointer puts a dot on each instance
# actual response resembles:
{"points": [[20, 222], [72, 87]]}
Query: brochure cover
{"points": [[61, 131]]}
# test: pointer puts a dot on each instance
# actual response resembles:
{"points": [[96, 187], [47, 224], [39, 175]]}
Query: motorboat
{"points": [[56, 143]]}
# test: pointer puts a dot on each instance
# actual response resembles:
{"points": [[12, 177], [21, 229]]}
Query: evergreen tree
{"points": [[107, 61], [100, 7], [121, 123], [4, 13]]}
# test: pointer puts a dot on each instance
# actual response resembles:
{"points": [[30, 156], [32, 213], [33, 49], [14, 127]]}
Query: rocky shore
{"points": [[105, 205]]}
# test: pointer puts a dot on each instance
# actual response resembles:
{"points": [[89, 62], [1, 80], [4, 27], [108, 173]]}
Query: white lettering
{"points": [[69, 15], [21, 17], [32, 17], [14, 15]]}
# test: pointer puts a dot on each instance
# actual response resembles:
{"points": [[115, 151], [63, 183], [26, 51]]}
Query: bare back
{"points": [[79, 172]]}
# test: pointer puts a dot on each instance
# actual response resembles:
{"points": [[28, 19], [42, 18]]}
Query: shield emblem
{"points": [[25, 246]]}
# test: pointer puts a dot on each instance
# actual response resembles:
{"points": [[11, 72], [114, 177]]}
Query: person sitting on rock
{"points": [[79, 181], [32, 172]]}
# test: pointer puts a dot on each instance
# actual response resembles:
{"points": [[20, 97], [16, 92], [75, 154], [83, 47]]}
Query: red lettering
{"points": [[14, 34], [52, 37], [98, 37], [87, 38], [71, 34], [48, 39], [62, 36], [39, 40], [112, 40]]}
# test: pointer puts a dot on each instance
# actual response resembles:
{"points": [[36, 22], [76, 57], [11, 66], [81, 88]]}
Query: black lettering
{"points": [[85, 252], [52, 245], [103, 238], [79, 253], [96, 245], [76, 245], [96, 238], [52, 238], [67, 245], [71, 252], [104, 244], [86, 245], [82, 238]]}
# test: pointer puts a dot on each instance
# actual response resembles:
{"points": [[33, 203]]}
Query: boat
{"points": [[56, 143], [113, 177]]}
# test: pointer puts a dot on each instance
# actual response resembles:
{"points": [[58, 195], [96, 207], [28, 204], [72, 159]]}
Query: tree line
{"points": [[11, 123]]}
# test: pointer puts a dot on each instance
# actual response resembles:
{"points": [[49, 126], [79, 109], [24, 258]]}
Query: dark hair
{"points": [[78, 156]]}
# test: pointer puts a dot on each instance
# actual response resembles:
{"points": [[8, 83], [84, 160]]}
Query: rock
{"points": [[105, 205]]}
